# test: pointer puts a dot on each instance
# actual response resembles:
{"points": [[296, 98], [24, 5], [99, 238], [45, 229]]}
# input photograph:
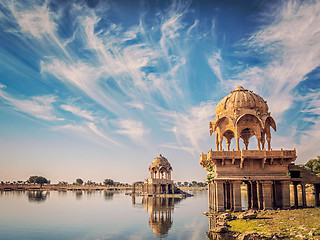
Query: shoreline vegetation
{"points": [[71, 187], [301, 223]]}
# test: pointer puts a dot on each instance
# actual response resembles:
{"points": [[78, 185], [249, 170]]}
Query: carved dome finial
{"points": [[240, 88]]}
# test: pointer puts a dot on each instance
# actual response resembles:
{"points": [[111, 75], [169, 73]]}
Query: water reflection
{"points": [[37, 196], [160, 210], [108, 195], [79, 194]]}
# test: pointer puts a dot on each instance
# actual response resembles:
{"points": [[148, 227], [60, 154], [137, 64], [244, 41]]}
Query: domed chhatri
{"points": [[242, 114], [160, 182]]}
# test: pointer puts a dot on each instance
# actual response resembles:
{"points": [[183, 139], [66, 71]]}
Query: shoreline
{"points": [[301, 223], [53, 187]]}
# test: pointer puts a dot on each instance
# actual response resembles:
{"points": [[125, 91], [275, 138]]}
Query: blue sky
{"points": [[97, 89]]}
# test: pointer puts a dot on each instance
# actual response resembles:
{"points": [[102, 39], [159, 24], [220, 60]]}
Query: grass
{"points": [[286, 224]]}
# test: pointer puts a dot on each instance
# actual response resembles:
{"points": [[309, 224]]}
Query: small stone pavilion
{"points": [[160, 178], [241, 115]]}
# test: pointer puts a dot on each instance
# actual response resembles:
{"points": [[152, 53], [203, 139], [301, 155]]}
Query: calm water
{"points": [[101, 215]]}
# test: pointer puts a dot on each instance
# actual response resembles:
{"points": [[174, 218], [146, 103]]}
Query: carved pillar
{"points": [[219, 195], [217, 140], [228, 195], [220, 142], [285, 194], [304, 199], [246, 143], [263, 140], [210, 196], [269, 141], [237, 141], [260, 194], [249, 194], [231, 196], [316, 195], [237, 195], [224, 196], [212, 192], [295, 193], [267, 194], [167, 188], [254, 195], [228, 144]]}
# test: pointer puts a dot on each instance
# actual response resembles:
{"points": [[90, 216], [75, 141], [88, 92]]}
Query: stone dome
{"points": [[242, 114], [160, 162], [241, 98]]}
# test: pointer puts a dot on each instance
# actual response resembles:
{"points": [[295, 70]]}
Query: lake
{"points": [[101, 215]]}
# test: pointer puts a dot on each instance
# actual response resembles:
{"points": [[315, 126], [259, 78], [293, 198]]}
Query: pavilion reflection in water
{"points": [[160, 210]]}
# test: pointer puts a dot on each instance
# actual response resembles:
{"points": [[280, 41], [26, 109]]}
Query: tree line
{"points": [[191, 184], [43, 180], [313, 165]]}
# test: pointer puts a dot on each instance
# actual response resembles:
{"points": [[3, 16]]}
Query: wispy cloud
{"points": [[37, 22], [40, 107], [190, 127], [89, 131], [137, 105], [78, 111], [130, 128], [120, 67], [215, 64], [85, 78]]}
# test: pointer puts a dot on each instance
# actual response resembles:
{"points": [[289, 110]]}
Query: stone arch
{"points": [[269, 122], [224, 128], [153, 172], [228, 135], [135, 184], [163, 173], [226, 120], [248, 125]]}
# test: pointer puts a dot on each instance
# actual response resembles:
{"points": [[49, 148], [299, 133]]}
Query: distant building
{"points": [[160, 182], [160, 178]]}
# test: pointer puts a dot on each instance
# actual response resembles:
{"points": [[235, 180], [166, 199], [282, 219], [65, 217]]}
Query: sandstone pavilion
{"points": [[266, 173], [159, 183]]}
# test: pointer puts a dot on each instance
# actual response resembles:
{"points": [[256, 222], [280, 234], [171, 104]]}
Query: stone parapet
{"points": [[249, 159], [256, 154]]}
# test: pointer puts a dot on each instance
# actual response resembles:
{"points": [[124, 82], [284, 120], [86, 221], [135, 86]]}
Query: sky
{"points": [[97, 89]]}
